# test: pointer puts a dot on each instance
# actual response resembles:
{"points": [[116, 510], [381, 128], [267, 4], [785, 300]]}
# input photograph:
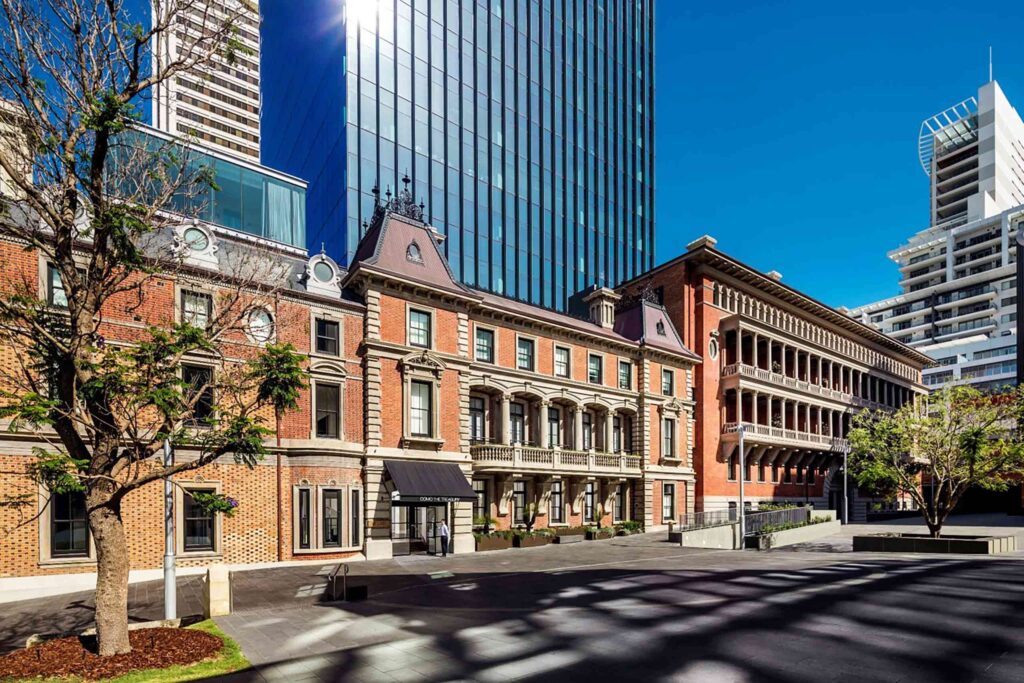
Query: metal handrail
{"points": [[706, 519], [756, 521]]}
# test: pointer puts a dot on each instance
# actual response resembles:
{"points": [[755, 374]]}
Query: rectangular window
{"points": [[761, 471], [196, 308], [588, 431], [69, 525], [616, 434], [668, 502], [477, 431], [332, 518], [305, 519], [668, 438], [799, 475], [198, 381], [356, 517], [787, 476], [733, 465], [484, 345], [328, 404], [620, 503], [589, 493], [420, 409], [519, 502], [595, 369], [327, 337], [557, 511], [554, 427], [668, 382], [524, 354], [198, 530], [810, 474], [481, 505], [775, 474], [55, 294], [517, 422], [419, 328], [625, 374], [561, 362]]}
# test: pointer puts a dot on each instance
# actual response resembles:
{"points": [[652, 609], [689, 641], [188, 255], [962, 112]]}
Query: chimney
{"points": [[602, 306]]}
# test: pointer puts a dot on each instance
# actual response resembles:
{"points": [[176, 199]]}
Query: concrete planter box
{"points": [[803, 534], [492, 543], [600, 535], [530, 541], [568, 538], [923, 543]]}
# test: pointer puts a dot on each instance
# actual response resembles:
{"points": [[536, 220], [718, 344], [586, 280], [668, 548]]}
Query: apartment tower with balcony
{"points": [[218, 104], [959, 299]]}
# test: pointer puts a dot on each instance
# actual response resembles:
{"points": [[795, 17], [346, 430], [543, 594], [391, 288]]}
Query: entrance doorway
{"points": [[416, 529]]}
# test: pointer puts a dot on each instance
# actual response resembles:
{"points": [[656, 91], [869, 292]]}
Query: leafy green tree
{"points": [[89, 195], [936, 450]]}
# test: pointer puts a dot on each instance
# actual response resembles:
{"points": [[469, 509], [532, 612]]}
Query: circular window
{"points": [[713, 349], [261, 325], [323, 271], [196, 239]]}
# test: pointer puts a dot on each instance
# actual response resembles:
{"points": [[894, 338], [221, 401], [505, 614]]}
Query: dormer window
{"points": [[659, 327], [413, 253], [323, 271], [196, 239]]}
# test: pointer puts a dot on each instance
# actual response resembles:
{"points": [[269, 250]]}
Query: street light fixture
{"points": [[742, 476]]}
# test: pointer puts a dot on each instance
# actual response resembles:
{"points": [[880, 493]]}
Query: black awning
{"points": [[427, 482]]}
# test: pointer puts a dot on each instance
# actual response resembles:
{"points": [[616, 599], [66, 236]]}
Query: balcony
{"points": [[786, 438], [778, 379], [524, 458]]}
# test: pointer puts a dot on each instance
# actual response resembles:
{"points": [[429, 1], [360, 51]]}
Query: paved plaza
{"points": [[632, 608]]}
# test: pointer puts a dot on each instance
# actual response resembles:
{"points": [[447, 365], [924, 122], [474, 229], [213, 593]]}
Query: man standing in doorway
{"points": [[444, 538]]}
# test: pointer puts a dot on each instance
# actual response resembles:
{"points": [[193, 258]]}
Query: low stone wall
{"points": [[920, 543], [724, 537], [803, 534]]}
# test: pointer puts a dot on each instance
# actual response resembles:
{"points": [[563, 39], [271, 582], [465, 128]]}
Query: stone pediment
{"points": [[424, 361]]}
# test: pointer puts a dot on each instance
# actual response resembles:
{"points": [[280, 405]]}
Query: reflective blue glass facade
{"points": [[526, 127]]}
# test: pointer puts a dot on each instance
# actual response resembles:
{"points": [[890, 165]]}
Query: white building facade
{"points": [[959, 299], [218, 104]]}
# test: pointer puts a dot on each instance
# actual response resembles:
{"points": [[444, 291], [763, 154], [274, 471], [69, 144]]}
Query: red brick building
{"points": [[544, 418], [791, 370]]}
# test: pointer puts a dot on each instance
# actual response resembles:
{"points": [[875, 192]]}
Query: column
{"points": [[609, 414], [819, 370], [739, 405], [753, 407], [577, 428], [544, 436], [754, 353], [505, 427], [807, 418], [782, 361], [782, 407]]}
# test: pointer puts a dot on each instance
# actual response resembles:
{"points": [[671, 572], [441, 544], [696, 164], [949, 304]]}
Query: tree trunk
{"points": [[111, 573]]}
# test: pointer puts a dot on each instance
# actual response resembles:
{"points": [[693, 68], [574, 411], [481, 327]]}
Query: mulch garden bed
{"points": [[152, 648]]}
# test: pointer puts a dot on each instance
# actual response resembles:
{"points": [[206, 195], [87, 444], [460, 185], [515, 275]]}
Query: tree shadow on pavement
{"points": [[933, 619]]}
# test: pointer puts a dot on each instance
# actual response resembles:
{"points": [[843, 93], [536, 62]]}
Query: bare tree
{"points": [[91, 195]]}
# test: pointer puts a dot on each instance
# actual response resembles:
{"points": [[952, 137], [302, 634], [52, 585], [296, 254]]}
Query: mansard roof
{"points": [[405, 248]]}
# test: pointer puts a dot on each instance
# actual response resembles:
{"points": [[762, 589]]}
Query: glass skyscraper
{"points": [[526, 128]]}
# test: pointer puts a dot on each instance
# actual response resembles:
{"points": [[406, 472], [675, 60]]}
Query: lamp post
{"points": [[846, 496], [170, 587], [742, 476]]}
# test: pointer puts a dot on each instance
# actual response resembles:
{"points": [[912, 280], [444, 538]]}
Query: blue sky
{"points": [[788, 130]]}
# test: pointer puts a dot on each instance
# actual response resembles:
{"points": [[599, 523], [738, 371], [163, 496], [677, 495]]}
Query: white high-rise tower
{"points": [[959, 300], [220, 105]]}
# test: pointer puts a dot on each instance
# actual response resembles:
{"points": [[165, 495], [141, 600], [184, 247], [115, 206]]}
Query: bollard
{"points": [[217, 592]]}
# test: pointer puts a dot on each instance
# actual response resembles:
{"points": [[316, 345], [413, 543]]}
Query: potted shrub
{"points": [[628, 528], [496, 540]]}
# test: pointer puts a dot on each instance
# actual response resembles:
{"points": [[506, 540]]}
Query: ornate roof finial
{"points": [[387, 193], [406, 180]]}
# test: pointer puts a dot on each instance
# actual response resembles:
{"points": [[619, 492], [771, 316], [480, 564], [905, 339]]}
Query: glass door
{"points": [[435, 514]]}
